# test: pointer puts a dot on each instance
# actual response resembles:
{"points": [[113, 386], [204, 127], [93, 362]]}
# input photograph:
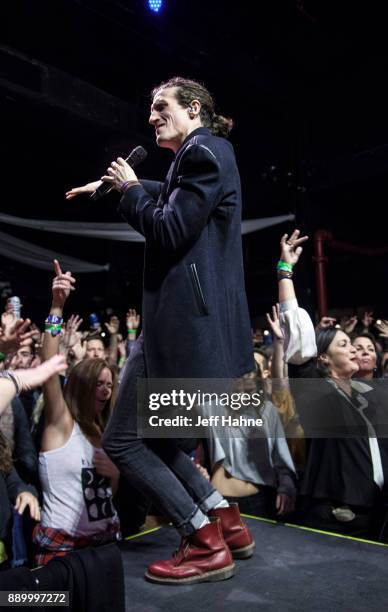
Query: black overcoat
{"points": [[195, 314]]}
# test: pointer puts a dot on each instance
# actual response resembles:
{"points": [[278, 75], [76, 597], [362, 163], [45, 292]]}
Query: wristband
{"points": [[283, 265], [282, 275], [54, 319], [54, 329], [127, 184], [2, 356], [131, 331]]}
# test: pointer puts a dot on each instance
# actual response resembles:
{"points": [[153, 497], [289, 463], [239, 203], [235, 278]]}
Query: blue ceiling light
{"points": [[155, 5]]}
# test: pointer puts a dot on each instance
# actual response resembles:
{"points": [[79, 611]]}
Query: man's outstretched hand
{"points": [[88, 188], [35, 377]]}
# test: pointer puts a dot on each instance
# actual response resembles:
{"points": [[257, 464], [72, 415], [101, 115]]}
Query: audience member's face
{"points": [[341, 356], [22, 359], [262, 363], [104, 388], [366, 354], [95, 349]]}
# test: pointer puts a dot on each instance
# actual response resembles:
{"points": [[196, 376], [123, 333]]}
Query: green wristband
{"points": [[2, 356], [131, 331], [283, 265], [54, 328]]}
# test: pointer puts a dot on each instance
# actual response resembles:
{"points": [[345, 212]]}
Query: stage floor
{"points": [[293, 569]]}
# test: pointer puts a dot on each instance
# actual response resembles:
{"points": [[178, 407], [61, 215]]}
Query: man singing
{"points": [[195, 319]]}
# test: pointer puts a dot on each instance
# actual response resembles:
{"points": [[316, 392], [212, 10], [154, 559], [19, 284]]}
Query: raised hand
{"points": [[113, 326], [274, 323], [382, 326], [348, 324], [14, 334], [78, 349], [121, 346], [37, 337], [132, 319], [88, 188], [71, 336], [290, 249], [325, 323], [63, 284], [7, 319], [367, 320]]}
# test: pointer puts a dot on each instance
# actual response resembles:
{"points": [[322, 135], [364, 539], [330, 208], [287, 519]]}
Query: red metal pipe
{"points": [[350, 248], [320, 237]]}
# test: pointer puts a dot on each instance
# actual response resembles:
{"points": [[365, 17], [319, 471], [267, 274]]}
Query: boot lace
{"points": [[180, 554]]}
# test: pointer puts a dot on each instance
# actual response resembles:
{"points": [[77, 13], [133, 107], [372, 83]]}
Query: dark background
{"points": [[306, 83]]}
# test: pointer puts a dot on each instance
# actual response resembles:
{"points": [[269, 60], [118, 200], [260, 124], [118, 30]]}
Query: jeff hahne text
{"points": [[203, 401]]}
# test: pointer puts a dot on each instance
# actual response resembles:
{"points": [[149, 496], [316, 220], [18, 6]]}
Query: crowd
{"points": [[320, 459]]}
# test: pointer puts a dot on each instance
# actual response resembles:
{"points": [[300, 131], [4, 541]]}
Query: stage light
{"points": [[155, 5]]}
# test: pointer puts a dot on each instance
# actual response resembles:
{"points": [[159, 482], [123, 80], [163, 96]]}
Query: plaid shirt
{"points": [[50, 542]]}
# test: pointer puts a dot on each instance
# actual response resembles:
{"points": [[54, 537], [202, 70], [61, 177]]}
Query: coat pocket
{"points": [[203, 309]]}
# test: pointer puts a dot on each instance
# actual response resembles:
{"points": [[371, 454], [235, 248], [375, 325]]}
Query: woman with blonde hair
{"points": [[77, 477]]}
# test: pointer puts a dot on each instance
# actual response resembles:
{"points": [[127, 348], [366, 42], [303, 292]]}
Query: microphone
{"points": [[134, 158]]}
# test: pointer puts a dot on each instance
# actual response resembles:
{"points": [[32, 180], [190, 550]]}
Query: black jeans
{"points": [[157, 468], [261, 504]]}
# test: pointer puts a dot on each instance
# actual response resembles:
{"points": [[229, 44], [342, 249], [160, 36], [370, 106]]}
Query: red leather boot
{"points": [[236, 533], [202, 557]]}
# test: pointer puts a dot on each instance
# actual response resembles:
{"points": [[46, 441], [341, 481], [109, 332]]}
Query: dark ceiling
{"points": [[304, 80]]}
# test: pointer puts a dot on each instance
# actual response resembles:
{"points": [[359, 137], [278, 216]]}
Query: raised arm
{"points": [[113, 328], [71, 335], [57, 416], [290, 251], [13, 382], [133, 323], [278, 365], [296, 324]]}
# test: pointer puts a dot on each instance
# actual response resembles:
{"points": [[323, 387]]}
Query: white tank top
{"points": [[75, 498]]}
